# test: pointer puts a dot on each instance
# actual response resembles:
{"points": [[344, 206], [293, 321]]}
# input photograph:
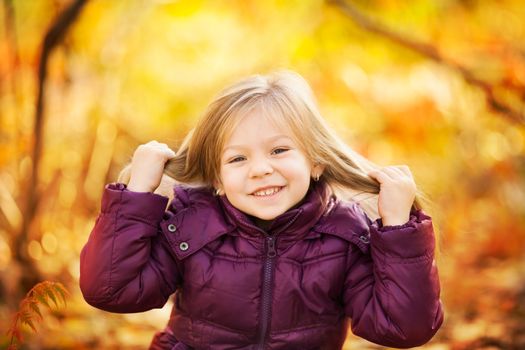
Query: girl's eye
{"points": [[280, 150], [236, 159], [241, 158]]}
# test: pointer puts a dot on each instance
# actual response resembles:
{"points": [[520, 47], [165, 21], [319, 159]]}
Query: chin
{"points": [[265, 217], [268, 216]]}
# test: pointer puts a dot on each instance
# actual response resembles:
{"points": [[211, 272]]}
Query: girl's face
{"points": [[263, 172]]}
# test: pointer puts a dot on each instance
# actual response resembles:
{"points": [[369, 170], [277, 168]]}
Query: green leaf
{"points": [[29, 322], [42, 298], [24, 315], [61, 291], [51, 295], [33, 304]]}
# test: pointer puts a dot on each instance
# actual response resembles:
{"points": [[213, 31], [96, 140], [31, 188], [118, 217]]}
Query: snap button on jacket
{"points": [[319, 268]]}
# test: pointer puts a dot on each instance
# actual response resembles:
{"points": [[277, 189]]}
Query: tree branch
{"points": [[432, 53], [52, 38]]}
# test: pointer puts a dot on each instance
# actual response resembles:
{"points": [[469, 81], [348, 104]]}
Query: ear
{"points": [[317, 169], [217, 184]]}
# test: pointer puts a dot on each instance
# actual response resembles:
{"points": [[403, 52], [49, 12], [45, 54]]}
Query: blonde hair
{"points": [[286, 98]]}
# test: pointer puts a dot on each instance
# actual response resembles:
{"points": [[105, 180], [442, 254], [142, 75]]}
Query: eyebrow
{"points": [[268, 140]]}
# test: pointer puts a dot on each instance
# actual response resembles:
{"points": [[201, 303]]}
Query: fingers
{"points": [[170, 153], [389, 173], [403, 170], [397, 171], [379, 175], [162, 147]]}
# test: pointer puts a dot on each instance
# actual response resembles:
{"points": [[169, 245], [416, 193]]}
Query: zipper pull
{"points": [[271, 247]]}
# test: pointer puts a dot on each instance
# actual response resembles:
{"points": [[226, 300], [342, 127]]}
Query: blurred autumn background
{"points": [[437, 85]]}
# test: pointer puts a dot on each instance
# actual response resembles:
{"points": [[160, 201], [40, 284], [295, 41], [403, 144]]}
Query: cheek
{"points": [[298, 168], [231, 179]]}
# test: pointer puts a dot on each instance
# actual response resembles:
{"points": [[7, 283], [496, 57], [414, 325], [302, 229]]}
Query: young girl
{"points": [[256, 246]]}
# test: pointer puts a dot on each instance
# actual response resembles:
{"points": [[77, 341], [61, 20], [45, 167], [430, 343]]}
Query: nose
{"points": [[260, 167]]}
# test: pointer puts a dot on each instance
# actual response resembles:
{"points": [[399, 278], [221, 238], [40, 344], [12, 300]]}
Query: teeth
{"points": [[267, 192]]}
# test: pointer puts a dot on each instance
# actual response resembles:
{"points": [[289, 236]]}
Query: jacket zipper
{"points": [[269, 262], [266, 296]]}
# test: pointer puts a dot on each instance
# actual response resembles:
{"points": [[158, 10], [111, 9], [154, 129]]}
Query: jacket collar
{"points": [[197, 217], [292, 224]]}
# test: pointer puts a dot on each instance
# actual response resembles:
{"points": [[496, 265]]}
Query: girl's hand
{"points": [[396, 194], [147, 166]]}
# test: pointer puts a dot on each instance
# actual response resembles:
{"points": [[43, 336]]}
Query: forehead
{"points": [[257, 142], [256, 128]]}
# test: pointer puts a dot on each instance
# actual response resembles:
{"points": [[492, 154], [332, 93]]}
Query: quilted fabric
{"points": [[319, 268]]}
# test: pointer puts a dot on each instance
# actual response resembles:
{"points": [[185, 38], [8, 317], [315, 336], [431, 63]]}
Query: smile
{"points": [[268, 192]]}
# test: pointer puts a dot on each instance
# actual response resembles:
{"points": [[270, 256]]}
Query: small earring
{"points": [[217, 192], [316, 178]]}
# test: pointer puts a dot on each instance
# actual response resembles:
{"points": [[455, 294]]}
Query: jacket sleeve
{"points": [[126, 265], [392, 292]]}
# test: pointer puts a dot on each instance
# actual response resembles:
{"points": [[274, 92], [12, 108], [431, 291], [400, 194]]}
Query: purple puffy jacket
{"points": [[294, 286]]}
